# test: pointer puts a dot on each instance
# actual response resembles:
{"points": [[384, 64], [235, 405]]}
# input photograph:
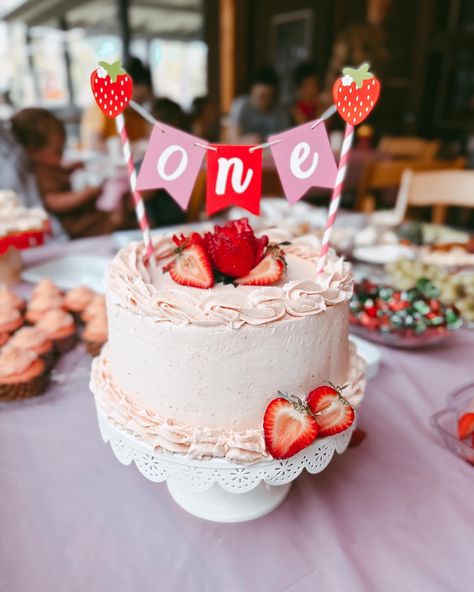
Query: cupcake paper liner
{"points": [[65, 344], [24, 390]]}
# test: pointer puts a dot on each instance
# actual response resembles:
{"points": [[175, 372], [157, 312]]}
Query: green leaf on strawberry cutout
{"points": [[113, 70], [359, 74]]}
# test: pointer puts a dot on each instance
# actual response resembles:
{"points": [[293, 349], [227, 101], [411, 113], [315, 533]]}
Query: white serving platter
{"points": [[70, 272], [370, 353]]}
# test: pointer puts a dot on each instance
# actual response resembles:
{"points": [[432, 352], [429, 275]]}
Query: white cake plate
{"points": [[216, 489]]}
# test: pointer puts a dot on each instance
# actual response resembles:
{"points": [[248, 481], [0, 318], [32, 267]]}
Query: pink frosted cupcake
{"points": [[95, 334], [22, 375], [77, 300], [96, 307], [41, 304], [10, 319], [46, 287], [8, 299], [60, 328], [35, 340]]}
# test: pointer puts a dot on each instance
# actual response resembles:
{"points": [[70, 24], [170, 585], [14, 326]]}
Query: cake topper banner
{"points": [[234, 177], [303, 156]]}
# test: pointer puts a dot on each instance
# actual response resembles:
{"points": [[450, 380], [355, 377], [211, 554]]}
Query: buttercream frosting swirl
{"points": [[149, 292], [27, 337], [79, 298], [15, 361], [8, 298], [54, 320], [195, 442], [8, 314], [16, 218]]}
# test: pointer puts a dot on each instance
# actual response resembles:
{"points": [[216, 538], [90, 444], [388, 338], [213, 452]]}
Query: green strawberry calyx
{"points": [[360, 74], [113, 70]]}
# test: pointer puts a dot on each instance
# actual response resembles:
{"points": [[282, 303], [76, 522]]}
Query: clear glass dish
{"points": [[445, 422]]}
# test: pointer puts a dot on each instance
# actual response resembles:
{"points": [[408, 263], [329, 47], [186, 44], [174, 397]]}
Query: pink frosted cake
{"points": [[193, 369]]}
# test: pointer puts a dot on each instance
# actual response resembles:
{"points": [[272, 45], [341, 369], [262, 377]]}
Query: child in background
{"points": [[43, 137], [307, 106]]}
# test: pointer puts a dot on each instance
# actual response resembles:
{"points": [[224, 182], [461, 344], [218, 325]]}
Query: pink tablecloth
{"points": [[394, 514]]}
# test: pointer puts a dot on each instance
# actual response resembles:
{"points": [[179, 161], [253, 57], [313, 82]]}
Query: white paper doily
{"points": [[207, 488]]}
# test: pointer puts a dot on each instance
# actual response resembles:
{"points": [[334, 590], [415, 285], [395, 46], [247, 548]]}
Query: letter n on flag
{"points": [[234, 178]]}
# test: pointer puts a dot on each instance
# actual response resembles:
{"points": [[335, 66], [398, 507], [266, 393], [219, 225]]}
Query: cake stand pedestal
{"points": [[216, 489]]}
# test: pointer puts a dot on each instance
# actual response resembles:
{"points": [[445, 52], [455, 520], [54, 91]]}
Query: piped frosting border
{"points": [[131, 286], [167, 434]]}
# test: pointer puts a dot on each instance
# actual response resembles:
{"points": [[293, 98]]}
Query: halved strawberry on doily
{"points": [[288, 426], [333, 413], [112, 88]]}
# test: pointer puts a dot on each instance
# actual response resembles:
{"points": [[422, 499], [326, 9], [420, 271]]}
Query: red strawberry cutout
{"points": [[355, 94], [112, 88]]}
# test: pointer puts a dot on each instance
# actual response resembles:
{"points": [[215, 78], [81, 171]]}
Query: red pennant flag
{"points": [[234, 178]]}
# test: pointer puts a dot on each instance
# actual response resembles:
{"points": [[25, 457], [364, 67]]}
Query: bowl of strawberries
{"points": [[401, 318]]}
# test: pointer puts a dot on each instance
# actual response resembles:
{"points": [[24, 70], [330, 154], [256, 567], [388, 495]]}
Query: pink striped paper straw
{"points": [[137, 197], [336, 195]]}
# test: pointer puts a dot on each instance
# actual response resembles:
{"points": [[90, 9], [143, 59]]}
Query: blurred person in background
{"points": [[96, 128], [307, 106], [16, 173], [204, 119], [169, 112], [43, 137], [254, 117], [358, 43]]}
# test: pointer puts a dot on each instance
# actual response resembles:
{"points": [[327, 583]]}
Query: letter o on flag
{"points": [[163, 159]]}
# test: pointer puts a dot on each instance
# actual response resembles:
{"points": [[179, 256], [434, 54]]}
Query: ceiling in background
{"points": [[148, 18]]}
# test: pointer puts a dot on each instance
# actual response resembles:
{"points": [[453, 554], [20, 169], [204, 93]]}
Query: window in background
{"points": [[17, 77], [179, 69], [50, 69], [86, 52]]}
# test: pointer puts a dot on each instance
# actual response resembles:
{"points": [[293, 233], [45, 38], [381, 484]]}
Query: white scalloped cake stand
{"points": [[216, 489]]}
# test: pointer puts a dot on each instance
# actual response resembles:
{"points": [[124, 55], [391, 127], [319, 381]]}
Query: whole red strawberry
{"points": [[356, 93], [112, 88], [234, 249]]}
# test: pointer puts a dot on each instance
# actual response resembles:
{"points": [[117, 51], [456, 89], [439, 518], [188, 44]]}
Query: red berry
{"points": [[234, 249], [192, 267], [287, 428], [465, 425], [267, 272], [334, 413]]}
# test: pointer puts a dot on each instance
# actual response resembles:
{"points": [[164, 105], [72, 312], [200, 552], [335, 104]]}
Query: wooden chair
{"points": [[439, 189], [409, 148], [379, 175]]}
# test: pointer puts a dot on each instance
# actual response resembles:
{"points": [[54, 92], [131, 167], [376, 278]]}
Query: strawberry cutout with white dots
{"points": [[356, 93], [112, 88]]}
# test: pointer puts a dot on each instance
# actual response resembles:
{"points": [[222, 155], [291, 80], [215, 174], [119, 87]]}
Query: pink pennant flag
{"points": [[172, 161], [234, 177], [304, 159]]}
